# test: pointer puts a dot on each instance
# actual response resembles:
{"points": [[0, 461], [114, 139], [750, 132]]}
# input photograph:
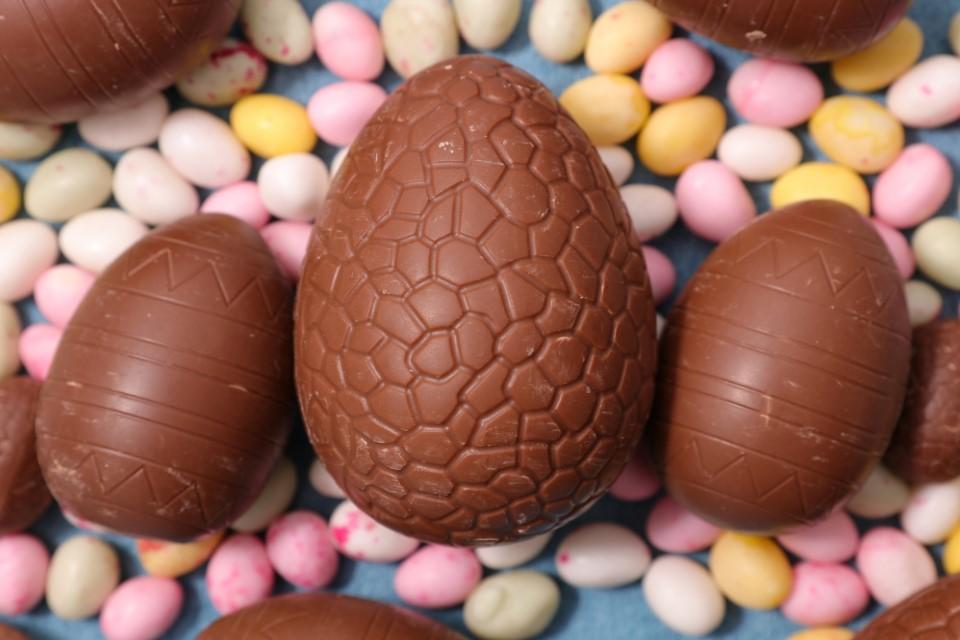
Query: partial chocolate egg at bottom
{"points": [[23, 493], [10, 633], [783, 370], [62, 60], [931, 614], [328, 616], [475, 328], [806, 31], [170, 397]]}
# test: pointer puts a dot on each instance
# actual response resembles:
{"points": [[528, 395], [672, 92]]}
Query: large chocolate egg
{"points": [[783, 370], [330, 616], [170, 397], [62, 60], [23, 494], [931, 614], [475, 328], [803, 31]]}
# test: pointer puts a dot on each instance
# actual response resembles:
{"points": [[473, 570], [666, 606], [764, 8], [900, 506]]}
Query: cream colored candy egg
{"points": [[279, 29], [147, 187], [83, 571], [94, 239], [67, 183], [882, 495], [27, 141], [484, 24], [759, 153], [618, 161], [9, 340], [610, 108], [928, 95], [273, 500], [203, 149], [322, 482], [955, 33], [857, 132], [27, 249], [821, 181], [680, 134], [559, 28], [752, 571], [652, 209], [624, 36], [513, 554], [681, 593], [512, 606], [418, 34], [936, 244], [924, 302], [135, 126], [233, 70], [881, 63]]}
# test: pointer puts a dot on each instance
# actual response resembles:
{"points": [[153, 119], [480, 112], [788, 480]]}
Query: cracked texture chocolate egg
{"points": [[23, 494], [169, 399], [62, 60], [804, 31], [783, 370], [474, 328]]}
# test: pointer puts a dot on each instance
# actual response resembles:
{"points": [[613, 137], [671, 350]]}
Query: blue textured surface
{"points": [[609, 614]]}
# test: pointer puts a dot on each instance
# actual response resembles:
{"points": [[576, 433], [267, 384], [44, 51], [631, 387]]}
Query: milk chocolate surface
{"points": [[805, 31], [926, 444], [10, 633], [475, 328], [328, 616], [62, 60], [170, 396], [783, 370], [23, 494], [932, 614]]}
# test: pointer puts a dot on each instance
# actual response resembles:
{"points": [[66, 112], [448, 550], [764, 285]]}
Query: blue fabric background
{"points": [[608, 614]]}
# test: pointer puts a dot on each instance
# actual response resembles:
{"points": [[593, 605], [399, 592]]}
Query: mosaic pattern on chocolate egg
{"points": [[475, 328], [932, 614]]}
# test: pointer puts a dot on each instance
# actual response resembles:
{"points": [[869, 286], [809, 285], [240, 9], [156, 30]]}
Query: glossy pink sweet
{"points": [[38, 345], [299, 548], [899, 248], [674, 529], [914, 187], [678, 68], [637, 482], [348, 41], [23, 565], [143, 608], [713, 201], [288, 242], [825, 594], [663, 275], [339, 111], [894, 565], [437, 577], [834, 539], [59, 291], [777, 94], [240, 200], [239, 574]]}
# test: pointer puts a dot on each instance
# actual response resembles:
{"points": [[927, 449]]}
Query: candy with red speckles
{"points": [[825, 594], [358, 536], [602, 555], [233, 70], [437, 577], [279, 29], [239, 574], [893, 565], [833, 539], [299, 548]]}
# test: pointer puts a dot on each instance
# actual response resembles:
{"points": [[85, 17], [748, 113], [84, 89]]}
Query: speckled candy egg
{"points": [[475, 326]]}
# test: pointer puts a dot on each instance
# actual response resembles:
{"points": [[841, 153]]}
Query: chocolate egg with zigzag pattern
{"points": [[170, 396], [783, 370]]}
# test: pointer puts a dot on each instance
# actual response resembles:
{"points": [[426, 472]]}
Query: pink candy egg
{"points": [[894, 565], [437, 577], [913, 188], [898, 247], [240, 200], [825, 594], [23, 564], [239, 574], [142, 608], [663, 275], [299, 548], [348, 41], [777, 94], [59, 291], [288, 242], [834, 539], [637, 482], [339, 111], [713, 201], [678, 68], [674, 529], [38, 345]]}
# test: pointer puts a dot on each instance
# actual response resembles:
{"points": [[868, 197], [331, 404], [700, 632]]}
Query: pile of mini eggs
{"points": [[170, 164]]}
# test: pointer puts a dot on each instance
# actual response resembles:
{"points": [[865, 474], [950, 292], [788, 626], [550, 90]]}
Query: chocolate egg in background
{"points": [[932, 613], [62, 60], [783, 370], [170, 397], [474, 326], [23, 493], [807, 31]]}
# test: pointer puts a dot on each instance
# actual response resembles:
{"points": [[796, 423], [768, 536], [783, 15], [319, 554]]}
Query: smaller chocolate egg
{"points": [[10, 633], [929, 614], [23, 494]]}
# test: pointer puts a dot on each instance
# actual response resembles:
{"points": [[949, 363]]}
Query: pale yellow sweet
{"points": [[624, 36], [936, 244], [823, 633], [951, 553], [857, 132], [171, 559], [9, 195], [955, 33], [821, 181], [271, 125], [610, 107], [877, 66], [681, 133], [750, 570]]}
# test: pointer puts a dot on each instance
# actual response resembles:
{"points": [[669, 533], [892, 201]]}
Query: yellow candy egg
{"points": [[171, 559], [823, 633], [681, 133], [857, 132], [610, 107], [9, 195], [624, 36], [751, 570], [821, 181], [877, 66], [271, 125], [951, 553]]}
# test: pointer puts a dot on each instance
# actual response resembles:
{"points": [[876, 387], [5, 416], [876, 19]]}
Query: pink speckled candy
{"points": [[339, 111], [59, 291], [348, 41], [777, 94], [713, 201], [894, 565], [288, 242], [240, 200], [825, 594], [299, 548], [898, 247], [834, 539], [38, 345], [142, 608], [678, 68], [437, 577], [913, 188], [637, 482], [23, 564], [663, 275], [671, 528], [358, 536], [239, 574]]}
